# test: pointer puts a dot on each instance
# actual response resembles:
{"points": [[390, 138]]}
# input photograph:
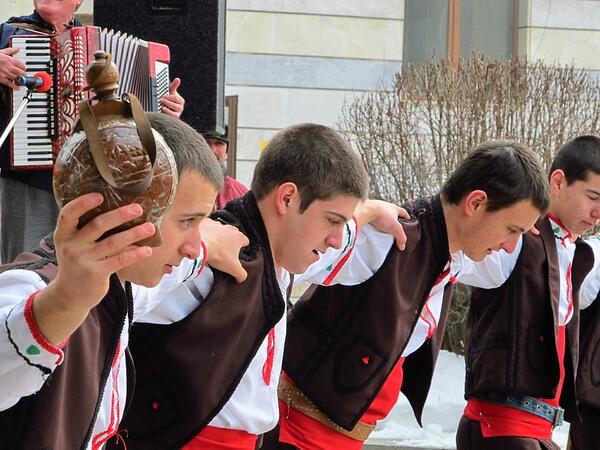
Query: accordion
{"points": [[49, 118]]}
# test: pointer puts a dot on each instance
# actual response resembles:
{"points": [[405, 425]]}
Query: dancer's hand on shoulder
{"points": [[224, 243], [383, 216]]}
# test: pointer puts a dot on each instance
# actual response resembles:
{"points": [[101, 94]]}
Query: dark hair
{"points": [[317, 159], [189, 148], [578, 157], [506, 171]]}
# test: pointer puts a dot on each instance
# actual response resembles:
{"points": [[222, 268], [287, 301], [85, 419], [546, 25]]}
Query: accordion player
{"points": [[48, 120]]}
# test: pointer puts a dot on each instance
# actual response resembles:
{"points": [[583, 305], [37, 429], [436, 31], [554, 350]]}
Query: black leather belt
{"points": [[525, 403]]}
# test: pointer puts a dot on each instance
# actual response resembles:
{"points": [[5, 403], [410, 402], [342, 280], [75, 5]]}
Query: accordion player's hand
{"points": [[173, 102], [10, 67]]}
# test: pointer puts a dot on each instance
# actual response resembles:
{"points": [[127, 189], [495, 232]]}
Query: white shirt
{"points": [[565, 250], [588, 292]]}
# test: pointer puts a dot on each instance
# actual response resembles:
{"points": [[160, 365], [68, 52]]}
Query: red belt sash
{"points": [[304, 432], [499, 420]]}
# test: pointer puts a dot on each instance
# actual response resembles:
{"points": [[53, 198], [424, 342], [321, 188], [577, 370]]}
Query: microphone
{"points": [[40, 82]]}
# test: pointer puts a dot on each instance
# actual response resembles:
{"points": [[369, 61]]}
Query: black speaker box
{"points": [[194, 30]]}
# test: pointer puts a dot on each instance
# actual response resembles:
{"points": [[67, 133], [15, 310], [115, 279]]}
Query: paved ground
{"points": [[392, 447]]}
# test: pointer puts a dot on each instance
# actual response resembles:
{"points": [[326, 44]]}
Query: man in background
{"points": [[219, 144]]}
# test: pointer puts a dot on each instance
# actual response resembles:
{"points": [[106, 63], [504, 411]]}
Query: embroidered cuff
{"points": [[201, 261], [27, 339]]}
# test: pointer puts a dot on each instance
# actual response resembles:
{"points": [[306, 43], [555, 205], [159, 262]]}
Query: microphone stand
{"points": [[16, 115]]}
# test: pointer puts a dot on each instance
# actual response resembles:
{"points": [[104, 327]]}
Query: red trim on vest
{"points": [[214, 438], [304, 432], [37, 334], [343, 261], [498, 420], [268, 366]]}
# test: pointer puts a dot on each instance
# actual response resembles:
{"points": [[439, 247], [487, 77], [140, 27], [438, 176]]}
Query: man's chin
{"points": [[145, 280], [476, 256], [297, 268]]}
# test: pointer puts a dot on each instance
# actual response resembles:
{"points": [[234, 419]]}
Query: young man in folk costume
{"points": [[207, 377], [522, 348], [350, 350], [65, 310], [585, 435]]}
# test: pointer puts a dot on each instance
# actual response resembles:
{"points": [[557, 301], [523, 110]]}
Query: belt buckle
{"points": [[558, 417]]}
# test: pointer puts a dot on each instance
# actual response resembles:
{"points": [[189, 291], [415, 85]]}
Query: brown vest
{"points": [[333, 330], [588, 372], [512, 329], [187, 371], [62, 413]]}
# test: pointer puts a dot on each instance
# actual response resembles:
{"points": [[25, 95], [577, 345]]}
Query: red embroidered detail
{"points": [[560, 224], [101, 438], [569, 297], [204, 257], [366, 360], [268, 366], [541, 338], [155, 405], [340, 264], [37, 334], [426, 315]]}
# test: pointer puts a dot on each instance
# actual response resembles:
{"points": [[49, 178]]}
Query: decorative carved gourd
{"points": [[115, 152]]}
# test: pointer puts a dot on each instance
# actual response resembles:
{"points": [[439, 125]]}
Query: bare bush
{"points": [[412, 137]]}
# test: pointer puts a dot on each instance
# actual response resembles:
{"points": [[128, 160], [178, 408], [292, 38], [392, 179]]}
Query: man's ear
{"points": [[558, 180], [285, 196], [474, 201]]}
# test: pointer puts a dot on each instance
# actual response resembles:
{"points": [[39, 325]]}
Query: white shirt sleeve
{"points": [[357, 261], [175, 297], [492, 271], [26, 358], [147, 299], [591, 284]]}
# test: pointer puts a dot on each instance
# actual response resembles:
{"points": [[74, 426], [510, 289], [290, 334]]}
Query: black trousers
{"points": [[469, 437], [271, 441], [585, 435]]}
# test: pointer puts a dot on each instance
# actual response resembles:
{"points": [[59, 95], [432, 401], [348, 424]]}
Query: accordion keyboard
{"points": [[162, 83], [34, 130]]}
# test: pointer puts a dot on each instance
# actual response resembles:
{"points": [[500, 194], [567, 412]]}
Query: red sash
{"points": [[498, 420], [307, 433]]}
